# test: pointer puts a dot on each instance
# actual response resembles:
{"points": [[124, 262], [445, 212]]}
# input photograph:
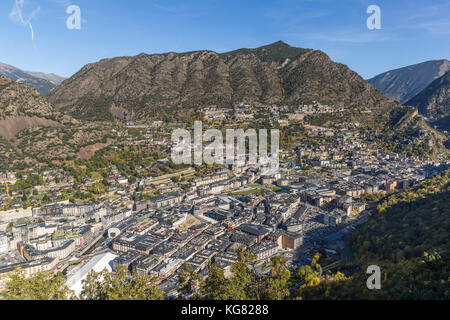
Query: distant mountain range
{"points": [[42, 82], [404, 83]]}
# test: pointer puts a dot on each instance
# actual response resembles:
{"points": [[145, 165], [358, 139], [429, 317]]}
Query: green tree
{"points": [[216, 286], [119, 285], [276, 285], [243, 276], [190, 281], [42, 286]]}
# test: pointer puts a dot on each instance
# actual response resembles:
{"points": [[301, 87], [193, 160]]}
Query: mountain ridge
{"points": [[276, 73], [175, 86], [404, 83], [42, 82]]}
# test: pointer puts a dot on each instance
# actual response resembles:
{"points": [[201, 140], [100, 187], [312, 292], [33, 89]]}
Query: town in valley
{"points": [[139, 211]]}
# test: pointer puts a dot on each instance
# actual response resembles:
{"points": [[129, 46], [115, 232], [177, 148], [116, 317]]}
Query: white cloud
{"points": [[431, 18], [17, 15], [436, 27]]}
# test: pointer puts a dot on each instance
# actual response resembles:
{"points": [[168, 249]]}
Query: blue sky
{"points": [[412, 31]]}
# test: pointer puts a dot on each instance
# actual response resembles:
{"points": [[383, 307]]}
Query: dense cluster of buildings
{"points": [[310, 203], [307, 213]]}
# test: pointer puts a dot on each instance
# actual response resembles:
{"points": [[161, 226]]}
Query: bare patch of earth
{"points": [[87, 152]]}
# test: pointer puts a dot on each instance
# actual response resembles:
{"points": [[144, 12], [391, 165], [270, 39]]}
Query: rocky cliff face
{"points": [[150, 85]]}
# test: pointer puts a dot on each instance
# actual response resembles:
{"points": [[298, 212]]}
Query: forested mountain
{"points": [[32, 131], [17, 99], [408, 239]]}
